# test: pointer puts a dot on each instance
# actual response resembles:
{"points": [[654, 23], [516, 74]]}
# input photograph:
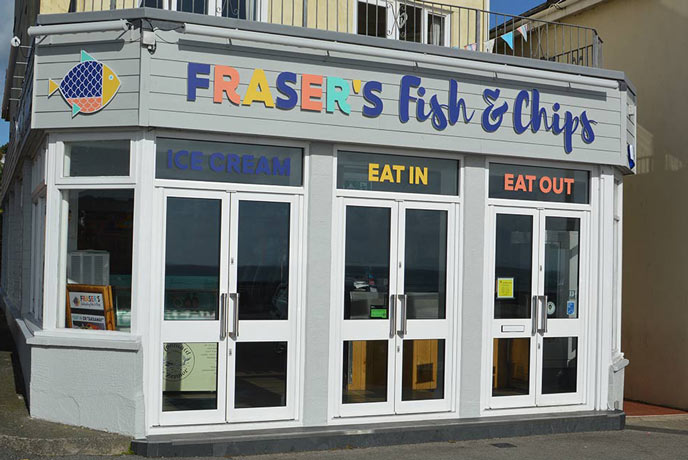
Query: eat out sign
{"points": [[543, 184]]}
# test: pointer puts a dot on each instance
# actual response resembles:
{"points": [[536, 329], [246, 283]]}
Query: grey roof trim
{"points": [[177, 17]]}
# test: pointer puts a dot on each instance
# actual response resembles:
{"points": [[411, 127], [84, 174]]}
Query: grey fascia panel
{"points": [[155, 14]]}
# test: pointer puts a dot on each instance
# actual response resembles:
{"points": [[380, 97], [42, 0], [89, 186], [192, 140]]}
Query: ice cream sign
{"points": [[330, 94]]}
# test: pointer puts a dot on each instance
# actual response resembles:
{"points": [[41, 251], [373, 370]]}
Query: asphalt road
{"points": [[662, 439]]}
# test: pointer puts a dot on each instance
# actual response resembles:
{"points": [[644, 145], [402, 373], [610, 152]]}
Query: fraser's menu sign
{"points": [[536, 183]]}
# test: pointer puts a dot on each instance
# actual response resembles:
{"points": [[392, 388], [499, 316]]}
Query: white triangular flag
{"points": [[489, 45], [524, 31]]}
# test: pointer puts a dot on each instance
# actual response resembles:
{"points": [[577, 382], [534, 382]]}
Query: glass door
{"points": [[229, 296], [262, 294], [193, 349], [537, 330], [397, 307]]}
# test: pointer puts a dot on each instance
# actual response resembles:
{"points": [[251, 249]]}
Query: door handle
{"points": [[534, 307], [542, 314], [392, 315], [404, 324], [223, 316], [235, 316]]}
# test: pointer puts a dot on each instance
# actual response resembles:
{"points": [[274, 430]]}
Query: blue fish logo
{"points": [[88, 86]]}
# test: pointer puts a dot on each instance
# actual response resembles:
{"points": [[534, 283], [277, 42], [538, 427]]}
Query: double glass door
{"points": [[397, 298], [228, 306], [539, 306]]}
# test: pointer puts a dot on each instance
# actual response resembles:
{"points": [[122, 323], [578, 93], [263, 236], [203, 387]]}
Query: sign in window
{"points": [[396, 173], [536, 183]]}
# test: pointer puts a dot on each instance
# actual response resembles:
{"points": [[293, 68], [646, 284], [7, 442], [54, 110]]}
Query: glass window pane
{"points": [[261, 374], [192, 259], [188, 159], [511, 367], [513, 265], [518, 182], [435, 29], [192, 6], [412, 29], [365, 371], [100, 230], [562, 248], [189, 376], [559, 365], [97, 158], [423, 370], [372, 19], [397, 173], [366, 270], [236, 9], [425, 273], [263, 260]]}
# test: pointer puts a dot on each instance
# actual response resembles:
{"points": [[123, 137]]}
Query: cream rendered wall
{"points": [[647, 39], [340, 16]]}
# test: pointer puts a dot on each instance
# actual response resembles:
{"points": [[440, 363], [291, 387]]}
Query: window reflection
{"points": [[192, 259], [366, 271], [261, 374], [423, 370], [263, 260], [562, 247], [511, 367], [365, 371], [425, 275], [559, 365], [513, 259], [189, 376]]}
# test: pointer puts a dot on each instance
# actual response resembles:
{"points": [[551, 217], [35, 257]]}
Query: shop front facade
{"points": [[229, 227]]}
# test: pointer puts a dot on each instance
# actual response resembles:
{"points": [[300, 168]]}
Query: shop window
{"points": [[97, 158], [372, 19], [98, 255]]}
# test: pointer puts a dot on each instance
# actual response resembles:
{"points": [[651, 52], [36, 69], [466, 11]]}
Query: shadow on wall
{"points": [[7, 350]]}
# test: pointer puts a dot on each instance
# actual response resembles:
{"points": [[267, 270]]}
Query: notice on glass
{"points": [[505, 288]]}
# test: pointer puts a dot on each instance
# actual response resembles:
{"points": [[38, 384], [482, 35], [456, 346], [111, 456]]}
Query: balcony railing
{"points": [[442, 24]]}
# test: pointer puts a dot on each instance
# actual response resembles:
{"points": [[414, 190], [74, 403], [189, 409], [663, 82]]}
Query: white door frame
{"points": [[528, 328], [250, 331], [391, 330]]}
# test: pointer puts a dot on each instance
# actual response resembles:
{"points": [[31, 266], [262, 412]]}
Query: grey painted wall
{"points": [[96, 388], [318, 284], [154, 87], [474, 247]]}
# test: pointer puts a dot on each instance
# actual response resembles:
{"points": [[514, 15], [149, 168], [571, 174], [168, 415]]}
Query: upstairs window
{"points": [[372, 19]]}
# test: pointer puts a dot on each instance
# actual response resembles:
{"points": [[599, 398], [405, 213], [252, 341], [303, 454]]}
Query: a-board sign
{"points": [[90, 307]]}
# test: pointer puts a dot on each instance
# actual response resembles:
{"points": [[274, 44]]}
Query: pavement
{"points": [[662, 437]]}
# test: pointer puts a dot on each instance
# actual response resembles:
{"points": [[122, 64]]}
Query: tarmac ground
{"points": [[645, 437]]}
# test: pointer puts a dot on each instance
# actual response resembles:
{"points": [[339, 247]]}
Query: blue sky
{"points": [[6, 26], [513, 6]]}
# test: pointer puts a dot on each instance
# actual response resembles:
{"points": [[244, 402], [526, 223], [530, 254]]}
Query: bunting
{"points": [[471, 47], [489, 45], [524, 31], [509, 39]]}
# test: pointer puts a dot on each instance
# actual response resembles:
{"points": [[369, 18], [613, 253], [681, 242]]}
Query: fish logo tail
{"points": [[52, 87]]}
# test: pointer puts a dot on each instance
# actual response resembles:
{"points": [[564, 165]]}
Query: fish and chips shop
{"points": [[224, 229]]}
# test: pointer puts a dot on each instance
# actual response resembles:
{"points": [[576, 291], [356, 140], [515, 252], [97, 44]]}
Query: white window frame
{"points": [[38, 229], [57, 210]]}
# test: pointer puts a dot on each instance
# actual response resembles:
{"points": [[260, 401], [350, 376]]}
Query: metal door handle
{"points": [[542, 314], [392, 315], [223, 316], [534, 306], [404, 325], [235, 316]]}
